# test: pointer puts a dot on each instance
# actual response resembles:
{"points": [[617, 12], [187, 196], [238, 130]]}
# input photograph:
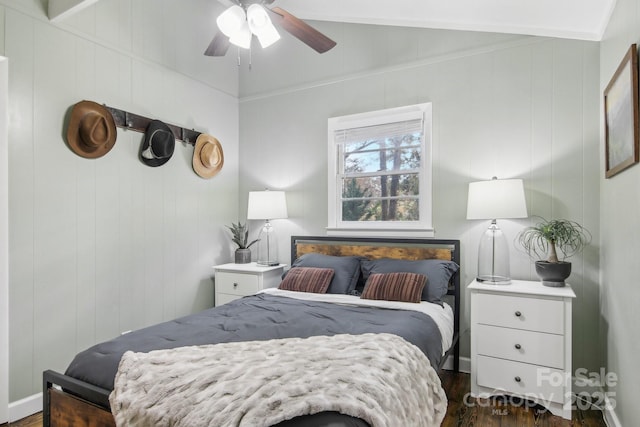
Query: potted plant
{"points": [[240, 236], [548, 238]]}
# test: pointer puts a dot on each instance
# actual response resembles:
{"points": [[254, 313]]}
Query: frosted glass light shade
{"points": [[261, 26], [242, 37], [240, 26], [268, 36], [230, 21]]}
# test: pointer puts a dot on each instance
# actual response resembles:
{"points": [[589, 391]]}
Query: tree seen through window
{"points": [[380, 181]]}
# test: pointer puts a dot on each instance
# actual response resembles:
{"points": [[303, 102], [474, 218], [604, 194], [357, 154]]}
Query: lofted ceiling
{"points": [[574, 19]]}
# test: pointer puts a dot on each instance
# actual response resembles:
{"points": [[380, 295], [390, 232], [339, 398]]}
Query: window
{"points": [[380, 171]]}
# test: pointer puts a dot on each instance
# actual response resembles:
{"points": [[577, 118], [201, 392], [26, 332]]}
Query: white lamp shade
{"points": [[267, 205], [496, 199], [230, 21]]}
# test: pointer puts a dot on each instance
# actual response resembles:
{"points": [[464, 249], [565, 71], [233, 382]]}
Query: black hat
{"points": [[157, 147]]}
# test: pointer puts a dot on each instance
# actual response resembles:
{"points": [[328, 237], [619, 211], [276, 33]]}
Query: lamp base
{"points": [[267, 263], [267, 246], [493, 257], [493, 280]]}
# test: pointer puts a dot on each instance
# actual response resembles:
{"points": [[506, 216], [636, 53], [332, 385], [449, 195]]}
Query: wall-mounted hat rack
{"points": [[131, 121]]}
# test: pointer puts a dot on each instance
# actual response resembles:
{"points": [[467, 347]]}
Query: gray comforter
{"points": [[257, 317]]}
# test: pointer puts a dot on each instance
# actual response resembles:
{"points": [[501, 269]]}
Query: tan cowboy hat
{"points": [[208, 157], [92, 131]]}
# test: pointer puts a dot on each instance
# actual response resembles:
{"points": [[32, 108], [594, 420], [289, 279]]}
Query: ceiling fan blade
{"points": [[218, 46], [301, 30]]}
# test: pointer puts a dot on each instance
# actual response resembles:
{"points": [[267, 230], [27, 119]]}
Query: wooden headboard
{"points": [[375, 248]]}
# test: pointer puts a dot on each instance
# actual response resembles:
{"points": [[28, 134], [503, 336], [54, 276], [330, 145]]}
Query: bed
{"points": [[80, 396]]}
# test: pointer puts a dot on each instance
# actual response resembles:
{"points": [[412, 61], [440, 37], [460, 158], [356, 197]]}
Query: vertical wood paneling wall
{"points": [[98, 247], [4, 241], [620, 240], [502, 105]]}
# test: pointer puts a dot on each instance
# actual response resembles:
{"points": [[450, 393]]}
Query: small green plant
{"points": [[549, 237], [240, 233]]}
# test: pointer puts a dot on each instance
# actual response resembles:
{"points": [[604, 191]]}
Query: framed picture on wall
{"points": [[622, 134]]}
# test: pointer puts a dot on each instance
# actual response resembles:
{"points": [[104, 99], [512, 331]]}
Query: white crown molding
{"points": [[572, 19]]}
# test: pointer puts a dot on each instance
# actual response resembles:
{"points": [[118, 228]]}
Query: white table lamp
{"points": [[495, 199], [267, 205]]}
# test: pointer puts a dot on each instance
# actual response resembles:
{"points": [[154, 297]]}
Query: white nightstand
{"points": [[521, 343], [234, 281]]}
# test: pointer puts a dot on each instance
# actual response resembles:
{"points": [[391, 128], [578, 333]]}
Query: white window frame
{"points": [[421, 228]]}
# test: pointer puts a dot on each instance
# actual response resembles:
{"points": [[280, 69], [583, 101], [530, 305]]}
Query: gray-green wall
{"points": [[620, 238], [98, 247], [502, 105]]}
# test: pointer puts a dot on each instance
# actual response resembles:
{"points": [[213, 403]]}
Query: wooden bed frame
{"points": [[409, 249], [70, 402]]}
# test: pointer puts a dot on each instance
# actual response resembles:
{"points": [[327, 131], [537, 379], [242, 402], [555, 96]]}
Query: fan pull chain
{"points": [[250, 58]]}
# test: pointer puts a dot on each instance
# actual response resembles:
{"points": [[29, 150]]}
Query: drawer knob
{"points": [[518, 346], [517, 379], [235, 285], [518, 314]]}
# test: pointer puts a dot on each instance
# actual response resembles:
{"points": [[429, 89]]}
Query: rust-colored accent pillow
{"points": [[307, 279], [405, 287]]}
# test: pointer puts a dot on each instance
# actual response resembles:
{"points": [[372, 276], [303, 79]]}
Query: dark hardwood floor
{"points": [[464, 411], [32, 421]]}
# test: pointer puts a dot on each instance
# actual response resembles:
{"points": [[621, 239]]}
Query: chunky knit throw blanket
{"points": [[380, 378]]}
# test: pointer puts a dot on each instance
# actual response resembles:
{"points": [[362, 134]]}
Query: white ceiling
{"points": [[575, 19]]}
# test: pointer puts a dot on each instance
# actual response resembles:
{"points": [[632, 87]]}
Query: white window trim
{"points": [[422, 228]]}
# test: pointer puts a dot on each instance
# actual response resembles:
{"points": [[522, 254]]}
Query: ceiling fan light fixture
{"points": [[268, 36], [242, 37], [260, 24], [239, 23], [257, 17], [231, 21]]}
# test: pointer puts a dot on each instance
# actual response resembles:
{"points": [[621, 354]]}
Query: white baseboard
{"points": [[25, 407], [610, 417], [465, 364], [594, 388]]}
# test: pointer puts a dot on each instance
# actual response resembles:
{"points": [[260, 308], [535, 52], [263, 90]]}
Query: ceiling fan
{"points": [[247, 18]]}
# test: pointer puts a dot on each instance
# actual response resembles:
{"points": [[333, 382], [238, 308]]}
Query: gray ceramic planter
{"points": [[553, 273], [243, 256]]}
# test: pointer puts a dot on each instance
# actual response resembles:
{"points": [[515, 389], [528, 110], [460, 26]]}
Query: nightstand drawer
{"points": [[521, 346], [533, 314], [501, 375], [225, 298], [236, 283], [238, 280]]}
